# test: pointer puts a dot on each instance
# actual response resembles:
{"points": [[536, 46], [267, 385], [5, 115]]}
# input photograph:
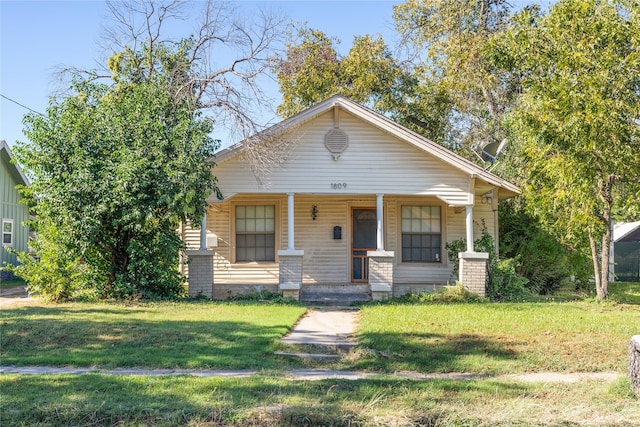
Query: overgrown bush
{"points": [[484, 243], [545, 262], [506, 284], [55, 275]]}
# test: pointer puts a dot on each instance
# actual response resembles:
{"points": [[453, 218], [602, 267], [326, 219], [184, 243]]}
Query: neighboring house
{"points": [[626, 251], [340, 196], [12, 214]]}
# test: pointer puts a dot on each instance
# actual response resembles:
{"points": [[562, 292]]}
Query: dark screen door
{"points": [[363, 240]]}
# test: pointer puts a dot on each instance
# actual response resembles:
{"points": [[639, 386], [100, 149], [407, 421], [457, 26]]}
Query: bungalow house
{"points": [[15, 235], [341, 197]]}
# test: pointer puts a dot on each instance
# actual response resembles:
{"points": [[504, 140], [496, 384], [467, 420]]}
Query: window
{"points": [[7, 232], [255, 233], [421, 235]]}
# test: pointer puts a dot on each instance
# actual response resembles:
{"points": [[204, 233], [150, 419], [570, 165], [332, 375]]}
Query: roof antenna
{"points": [[490, 152]]}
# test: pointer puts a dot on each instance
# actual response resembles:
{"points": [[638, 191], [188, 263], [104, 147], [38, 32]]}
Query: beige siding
{"points": [[374, 162], [327, 260]]}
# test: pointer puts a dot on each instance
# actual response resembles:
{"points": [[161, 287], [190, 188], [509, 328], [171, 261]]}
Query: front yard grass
{"points": [[485, 338], [496, 338], [106, 400], [154, 335]]}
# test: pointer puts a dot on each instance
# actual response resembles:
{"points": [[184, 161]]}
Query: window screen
{"points": [[255, 233], [421, 234]]}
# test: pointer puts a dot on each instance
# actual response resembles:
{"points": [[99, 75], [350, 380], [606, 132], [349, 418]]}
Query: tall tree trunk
{"points": [[596, 265], [606, 252], [606, 188]]}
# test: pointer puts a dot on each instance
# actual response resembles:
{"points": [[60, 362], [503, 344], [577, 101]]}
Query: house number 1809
{"points": [[338, 185]]}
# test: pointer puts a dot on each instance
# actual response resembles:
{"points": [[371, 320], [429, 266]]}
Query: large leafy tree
{"points": [[115, 169], [312, 70], [577, 120], [118, 165], [451, 44]]}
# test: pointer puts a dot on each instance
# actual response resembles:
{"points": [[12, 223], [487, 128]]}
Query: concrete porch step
{"points": [[334, 294], [338, 294], [339, 300]]}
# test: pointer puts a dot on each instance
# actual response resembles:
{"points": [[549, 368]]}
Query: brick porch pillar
{"points": [[381, 274], [290, 272], [200, 272], [473, 271]]}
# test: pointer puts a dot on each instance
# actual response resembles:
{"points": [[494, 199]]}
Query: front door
{"points": [[363, 239]]}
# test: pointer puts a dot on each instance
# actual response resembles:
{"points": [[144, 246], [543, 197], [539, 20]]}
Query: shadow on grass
{"points": [[111, 400], [112, 337], [432, 352], [625, 292]]}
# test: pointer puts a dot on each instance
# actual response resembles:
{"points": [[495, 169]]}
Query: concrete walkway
{"points": [[325, 326]]}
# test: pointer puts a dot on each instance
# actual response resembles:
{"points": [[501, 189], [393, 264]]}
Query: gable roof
{"points": [[383, 123], [626, 232], [14, 168]]}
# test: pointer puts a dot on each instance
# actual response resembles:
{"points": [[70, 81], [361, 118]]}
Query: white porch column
{"points": [[203, 231], [380, 261], [469, 228], [290, 260], [290, 226], [380, 223]]}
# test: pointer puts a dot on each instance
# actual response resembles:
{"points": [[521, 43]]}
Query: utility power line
{"points": [[22, 105]]}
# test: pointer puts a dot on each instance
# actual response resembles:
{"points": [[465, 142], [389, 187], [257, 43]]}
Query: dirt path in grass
{"points": [[319, 374], [16, 296]]}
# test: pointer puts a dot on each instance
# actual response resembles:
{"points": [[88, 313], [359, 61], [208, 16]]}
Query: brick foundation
{"points": [[200, 273], [473, 271]]}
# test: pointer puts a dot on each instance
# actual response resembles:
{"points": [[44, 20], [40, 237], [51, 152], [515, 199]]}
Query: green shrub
{"points": [[543, 260], [55, 274], [506, 284]]}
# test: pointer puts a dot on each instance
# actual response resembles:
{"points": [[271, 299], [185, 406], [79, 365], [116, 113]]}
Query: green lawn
{"points": [[497, 338], [161, 335], [105, 400], [488, 338]]}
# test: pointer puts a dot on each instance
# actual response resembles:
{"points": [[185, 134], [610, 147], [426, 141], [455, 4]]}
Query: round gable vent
{"points": [[336, 141]]}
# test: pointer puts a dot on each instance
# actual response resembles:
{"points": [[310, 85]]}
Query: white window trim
{"points": [[232, 218], [443, 230], [8, 221]]}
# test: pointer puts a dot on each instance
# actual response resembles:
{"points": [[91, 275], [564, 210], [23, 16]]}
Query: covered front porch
{"points": [[301, 244]]}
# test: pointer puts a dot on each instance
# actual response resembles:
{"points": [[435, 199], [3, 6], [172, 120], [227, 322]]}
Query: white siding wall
{"points": [[374, 162]]}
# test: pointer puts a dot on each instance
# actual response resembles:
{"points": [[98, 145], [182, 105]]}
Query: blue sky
{"points": [[39, 37]]}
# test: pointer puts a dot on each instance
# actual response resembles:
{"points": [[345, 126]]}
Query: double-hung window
{"points": [[421, 234], [255, 233], [7, 232]]}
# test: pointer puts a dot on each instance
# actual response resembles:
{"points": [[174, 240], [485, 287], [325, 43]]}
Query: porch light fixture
{"points": [[314, 212]]}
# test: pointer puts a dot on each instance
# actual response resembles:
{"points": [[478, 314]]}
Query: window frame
{"points": [[442, 233], [233, 255], [11, 233]]}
